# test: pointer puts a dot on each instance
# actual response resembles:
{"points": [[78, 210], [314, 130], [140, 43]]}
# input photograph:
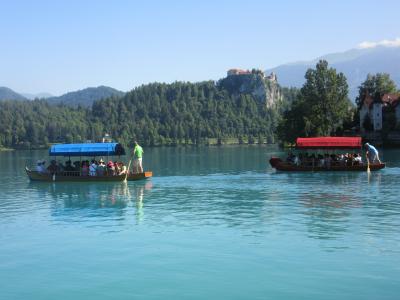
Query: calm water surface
{"points": [[214, 223]]}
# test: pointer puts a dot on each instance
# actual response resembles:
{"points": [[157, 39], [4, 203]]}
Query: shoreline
{"points": [[211, 142], [159, 146]]}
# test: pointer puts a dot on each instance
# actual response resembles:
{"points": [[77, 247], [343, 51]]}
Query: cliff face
{"points": [[264, 88], [273, 94]]}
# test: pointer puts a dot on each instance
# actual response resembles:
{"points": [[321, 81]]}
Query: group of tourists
{"points": [[327, 160], [93, 167], [82, 168]]}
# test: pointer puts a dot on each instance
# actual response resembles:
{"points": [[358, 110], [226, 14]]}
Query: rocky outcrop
{"points": [[264, 88]]}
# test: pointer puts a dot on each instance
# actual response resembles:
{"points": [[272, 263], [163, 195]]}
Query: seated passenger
{"points": [[85, 169], [40, 166], [117, 169], [53, 168], [122, 168], [77, 165], [101, 168], [110, 168], [68, 166], [60, 167], [342, 159], [349, 159], [357, 159], [93, 168], [321, 161]]}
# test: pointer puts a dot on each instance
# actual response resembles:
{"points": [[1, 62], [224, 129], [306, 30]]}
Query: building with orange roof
{"points": [[233, 72]]}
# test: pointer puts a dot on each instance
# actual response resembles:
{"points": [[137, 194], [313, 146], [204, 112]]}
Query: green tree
{"points": [[376, 86], [321, 107]]}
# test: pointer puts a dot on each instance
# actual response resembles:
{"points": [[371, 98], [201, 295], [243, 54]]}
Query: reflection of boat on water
{"points": [[91, 198], [88, 150], [325, 144]]}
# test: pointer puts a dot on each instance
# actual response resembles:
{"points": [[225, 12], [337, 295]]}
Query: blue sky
{"points": [[60, 46]]}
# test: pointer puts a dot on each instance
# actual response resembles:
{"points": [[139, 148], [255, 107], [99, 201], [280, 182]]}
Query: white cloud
{"points": [[386, 43]]}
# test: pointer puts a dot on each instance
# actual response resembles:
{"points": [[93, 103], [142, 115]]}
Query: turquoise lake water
{"points": [[213, 223]]}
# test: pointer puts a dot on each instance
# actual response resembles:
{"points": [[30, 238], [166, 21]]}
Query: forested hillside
{"points": [[154, 114]]}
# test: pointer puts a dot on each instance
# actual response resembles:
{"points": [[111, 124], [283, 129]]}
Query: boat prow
{"points": [[138, 176]]}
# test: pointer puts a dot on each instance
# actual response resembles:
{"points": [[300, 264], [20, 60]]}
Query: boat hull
{"points": [[280, 165], [35, 176]]}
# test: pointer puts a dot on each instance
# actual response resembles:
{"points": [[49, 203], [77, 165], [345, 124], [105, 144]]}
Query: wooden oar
{"points": [[368, 169], [129, 165]]}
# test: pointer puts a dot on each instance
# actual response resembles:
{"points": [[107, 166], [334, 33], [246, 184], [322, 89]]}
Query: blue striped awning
{"points": [[89, 149]]}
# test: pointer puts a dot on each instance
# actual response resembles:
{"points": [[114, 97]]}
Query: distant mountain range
{"points": [[84, 97], [355, 64]]}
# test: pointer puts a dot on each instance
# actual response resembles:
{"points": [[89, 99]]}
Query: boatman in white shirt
{"points": [[372, 153]]}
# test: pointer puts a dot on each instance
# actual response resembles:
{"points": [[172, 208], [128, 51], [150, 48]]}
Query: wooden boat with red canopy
{"points": [[329, 161], [92, 150]]}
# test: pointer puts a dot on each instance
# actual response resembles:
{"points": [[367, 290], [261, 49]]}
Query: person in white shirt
{"points": [[93, 168], [40, 166], [101, 168], [122, 168], [357, 159]]}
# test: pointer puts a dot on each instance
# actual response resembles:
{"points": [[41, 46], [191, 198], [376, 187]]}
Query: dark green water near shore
{"points": [[213, 223]]}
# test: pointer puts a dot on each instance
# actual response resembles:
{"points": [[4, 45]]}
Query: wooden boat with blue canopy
{"points": [[327, 157], [92, 150]]}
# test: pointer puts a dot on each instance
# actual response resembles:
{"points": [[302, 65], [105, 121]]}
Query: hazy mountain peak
{"points": [[8, 94]]}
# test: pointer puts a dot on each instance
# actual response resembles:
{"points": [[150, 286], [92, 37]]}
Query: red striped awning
{"points": [[329, 142]]}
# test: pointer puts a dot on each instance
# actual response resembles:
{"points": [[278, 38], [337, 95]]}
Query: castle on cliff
{"points": [[237, 72]]}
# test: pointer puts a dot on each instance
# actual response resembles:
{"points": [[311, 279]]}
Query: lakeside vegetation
{"points": [[322, 107], [203, 113], [154, 114]]}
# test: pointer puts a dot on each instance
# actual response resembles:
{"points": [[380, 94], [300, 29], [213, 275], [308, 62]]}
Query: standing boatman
{"points": [[137, 158], [372, 153]]}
